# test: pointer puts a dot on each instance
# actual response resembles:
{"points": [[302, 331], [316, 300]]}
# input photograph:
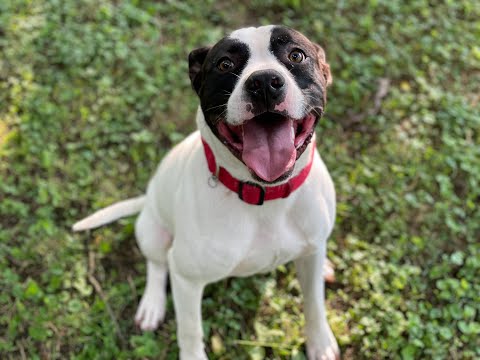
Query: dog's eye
{"points": [[296, 56], [225, 64]]}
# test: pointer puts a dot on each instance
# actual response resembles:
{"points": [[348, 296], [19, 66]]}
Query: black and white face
{"points": [[262, 91]]}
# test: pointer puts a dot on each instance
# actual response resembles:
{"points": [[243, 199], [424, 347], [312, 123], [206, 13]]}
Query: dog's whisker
{"points": [[216, 107], [232, 73], [220, 116], [308, 108]]}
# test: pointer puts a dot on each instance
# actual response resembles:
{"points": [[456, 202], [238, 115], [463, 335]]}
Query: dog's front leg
{"points": [[187, 297], [321, 344]]}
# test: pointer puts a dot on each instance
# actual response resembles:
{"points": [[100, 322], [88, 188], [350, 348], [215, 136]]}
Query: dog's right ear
{"points": [[195, 62]]}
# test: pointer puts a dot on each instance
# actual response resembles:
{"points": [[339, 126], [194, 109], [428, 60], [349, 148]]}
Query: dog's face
{"points": [[262, 91]]}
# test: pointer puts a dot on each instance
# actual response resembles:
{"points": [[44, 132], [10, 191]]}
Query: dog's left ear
{"points": [[322, 63], [195, 61]]}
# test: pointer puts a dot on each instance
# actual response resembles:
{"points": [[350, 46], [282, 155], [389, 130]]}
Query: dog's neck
{"points": [[235, 167]]}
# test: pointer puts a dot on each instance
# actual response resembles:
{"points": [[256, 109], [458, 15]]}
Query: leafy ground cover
{"points": [[92, 95]]}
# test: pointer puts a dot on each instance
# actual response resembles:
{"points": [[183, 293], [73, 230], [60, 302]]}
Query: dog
{"points": [[247, 191]]}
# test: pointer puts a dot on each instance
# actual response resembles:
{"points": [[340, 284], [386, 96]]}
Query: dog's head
{"points": [[262, 91]]}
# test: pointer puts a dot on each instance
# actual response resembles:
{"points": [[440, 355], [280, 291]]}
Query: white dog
{"points": [[245, 193]]}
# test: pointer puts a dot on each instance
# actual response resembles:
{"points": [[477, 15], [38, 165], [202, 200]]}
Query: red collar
{"points": [[250, 192]]}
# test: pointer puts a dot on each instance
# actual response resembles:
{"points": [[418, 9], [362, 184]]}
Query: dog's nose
{"points": [[265, 84]]}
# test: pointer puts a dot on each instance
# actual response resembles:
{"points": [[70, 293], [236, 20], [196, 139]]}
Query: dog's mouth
{"points": [[270, 143]]}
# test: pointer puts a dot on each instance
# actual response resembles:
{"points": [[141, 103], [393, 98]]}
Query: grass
{"points": [[93, 94]]}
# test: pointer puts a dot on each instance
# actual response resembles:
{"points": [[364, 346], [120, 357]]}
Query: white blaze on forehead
{"points": [[257, 39], [261, 57]]}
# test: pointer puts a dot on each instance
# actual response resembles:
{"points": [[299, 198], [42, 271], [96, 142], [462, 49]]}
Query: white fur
{"points": [[202, 234]]}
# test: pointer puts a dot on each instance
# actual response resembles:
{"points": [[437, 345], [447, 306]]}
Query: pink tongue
{"points": [[268, 147]]}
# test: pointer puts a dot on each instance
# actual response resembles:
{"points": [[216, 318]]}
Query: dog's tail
{"points": [[111, 213]]}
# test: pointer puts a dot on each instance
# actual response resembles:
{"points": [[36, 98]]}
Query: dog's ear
{"points": [[322, 63], [195, 61]]}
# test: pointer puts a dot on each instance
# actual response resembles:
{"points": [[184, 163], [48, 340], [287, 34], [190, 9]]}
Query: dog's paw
{"points": [[323, 347], [151, 310]]}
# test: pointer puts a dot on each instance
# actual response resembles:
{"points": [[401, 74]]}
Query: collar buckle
{"points": [[245, 192]]}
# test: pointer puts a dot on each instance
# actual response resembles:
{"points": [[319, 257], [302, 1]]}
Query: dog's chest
{"points": [[274, 242]]}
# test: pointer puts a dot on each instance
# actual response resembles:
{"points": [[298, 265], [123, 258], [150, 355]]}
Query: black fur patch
{"points": [[307, 73], [215, 85]]}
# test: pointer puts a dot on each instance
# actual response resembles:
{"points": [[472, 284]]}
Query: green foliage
{"points": [[92, 95]]}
